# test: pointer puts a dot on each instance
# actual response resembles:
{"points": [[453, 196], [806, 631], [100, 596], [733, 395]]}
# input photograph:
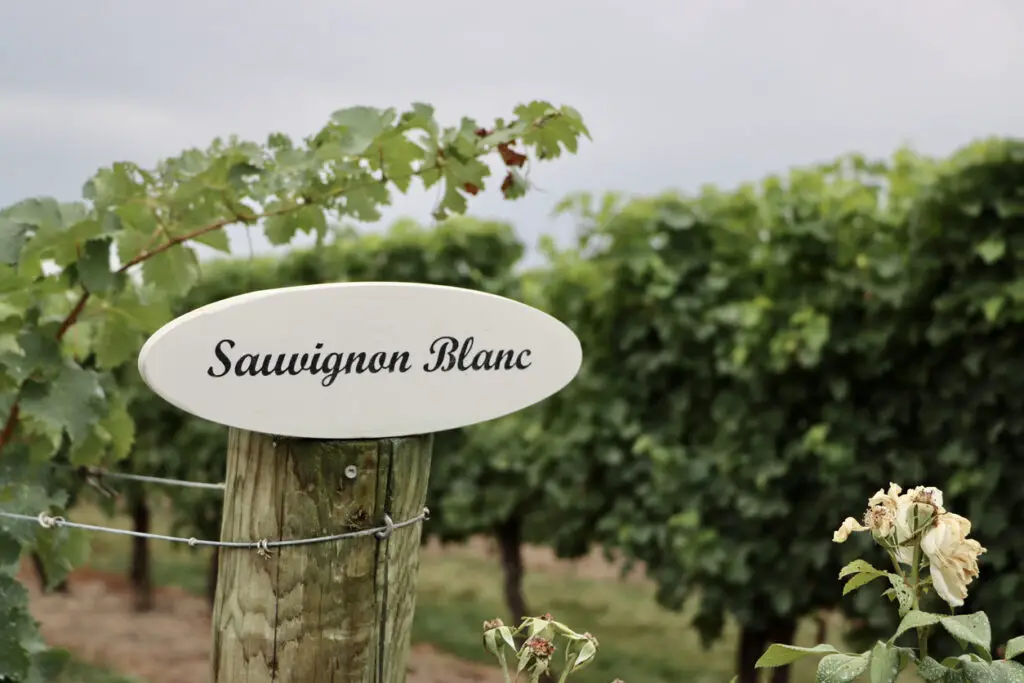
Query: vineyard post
{"points": [[337, 611], [323, 511]]}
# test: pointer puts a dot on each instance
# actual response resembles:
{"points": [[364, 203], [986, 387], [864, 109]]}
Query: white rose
{"points": [[953, 557]]}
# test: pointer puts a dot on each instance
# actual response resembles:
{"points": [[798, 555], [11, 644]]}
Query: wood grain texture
{"points": [[338, 612]]}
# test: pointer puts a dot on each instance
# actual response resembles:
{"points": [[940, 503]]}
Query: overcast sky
{"points": [[676, 92]]}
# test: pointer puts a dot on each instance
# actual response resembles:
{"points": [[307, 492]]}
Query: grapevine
{"points": [[82, 284]]}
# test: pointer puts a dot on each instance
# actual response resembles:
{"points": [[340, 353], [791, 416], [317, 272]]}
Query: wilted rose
{"points": [[880, 517], [916, 511], [886, 499], [848, 526], [896, 519], [953, 557]]}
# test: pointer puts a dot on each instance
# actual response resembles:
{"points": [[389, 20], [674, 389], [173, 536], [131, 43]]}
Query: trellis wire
{"points": [[107, 474], [262, 546]]}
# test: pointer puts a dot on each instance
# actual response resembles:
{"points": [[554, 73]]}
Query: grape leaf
{"points": [[363, 202], [10, 552], [38, 355], [130, 244], [94, 266], [114, 435], [280, 229], [559, 129], [174, 270], [87, 451], [118, 338], [13, 236], [46, 666], [216, 239], [9, 310], [61, 549], [145, 310], [118, 184], [24, 499], [14, 660], [136, 218], [119, 427], [397, 157], [48, 240], [41, 212], [72, 402], [362, 125], [420, 115], [14, 618]]}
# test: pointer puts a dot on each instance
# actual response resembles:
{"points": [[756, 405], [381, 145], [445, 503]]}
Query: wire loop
{"points": [[389, 526]]}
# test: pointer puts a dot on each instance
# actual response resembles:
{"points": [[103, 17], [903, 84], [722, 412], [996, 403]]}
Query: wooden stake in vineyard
{"points": [[332, 394]]}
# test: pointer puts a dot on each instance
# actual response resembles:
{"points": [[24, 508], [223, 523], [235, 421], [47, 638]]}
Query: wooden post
{"points": [[339, 611]]}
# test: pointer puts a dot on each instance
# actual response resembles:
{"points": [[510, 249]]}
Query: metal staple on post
{"points": [[389, 526]]}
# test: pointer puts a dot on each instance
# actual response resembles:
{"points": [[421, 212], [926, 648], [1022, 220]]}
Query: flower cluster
{"points": [[535, 656], [913, 523], [918, 534]]}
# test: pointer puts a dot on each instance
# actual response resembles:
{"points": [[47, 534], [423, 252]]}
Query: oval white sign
{"points": [[359, 360]]}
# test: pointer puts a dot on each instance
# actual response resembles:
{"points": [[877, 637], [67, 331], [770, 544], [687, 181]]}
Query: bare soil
{"points": [[171, 644]]}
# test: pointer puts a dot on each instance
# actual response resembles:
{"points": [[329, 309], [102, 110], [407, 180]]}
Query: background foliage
{"points": [[756, 362], [778, 351]]}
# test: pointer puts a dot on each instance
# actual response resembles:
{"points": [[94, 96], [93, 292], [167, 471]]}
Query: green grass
{"points": [[460, 590]]}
